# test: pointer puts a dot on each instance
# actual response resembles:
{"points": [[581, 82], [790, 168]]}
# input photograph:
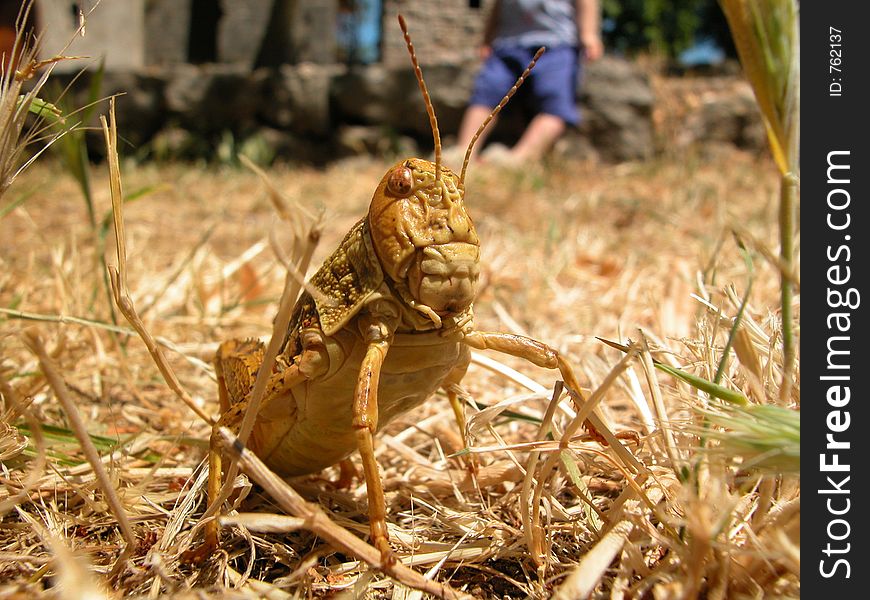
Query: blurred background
{"points": [[324, 79]]}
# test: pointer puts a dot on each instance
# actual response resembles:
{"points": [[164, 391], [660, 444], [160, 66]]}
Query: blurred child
{"points": [[570, 30]]}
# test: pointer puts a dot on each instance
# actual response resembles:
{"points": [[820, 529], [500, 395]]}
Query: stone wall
{"points": [[317, 113], [115, 33], [262, 73], [449, 31], [132, 34], [167, 23], [137, 33]]}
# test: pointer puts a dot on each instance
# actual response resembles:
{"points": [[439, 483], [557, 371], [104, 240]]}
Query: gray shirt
{"points": [[532, 23]]}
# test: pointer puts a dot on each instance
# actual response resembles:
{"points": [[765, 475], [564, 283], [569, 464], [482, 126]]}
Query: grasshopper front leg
{"points": [[535, 352], [454, 379], [542, 355], [365, 423]]}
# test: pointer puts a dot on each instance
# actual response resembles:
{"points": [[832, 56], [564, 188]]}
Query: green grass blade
{"points": [[713, 389]]}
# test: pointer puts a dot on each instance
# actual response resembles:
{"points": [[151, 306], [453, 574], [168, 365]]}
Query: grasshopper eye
{"points": [[401, 182]]}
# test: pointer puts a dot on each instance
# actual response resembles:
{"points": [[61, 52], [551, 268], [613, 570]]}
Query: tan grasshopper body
{"points": [[360, 304], [390, 324]]}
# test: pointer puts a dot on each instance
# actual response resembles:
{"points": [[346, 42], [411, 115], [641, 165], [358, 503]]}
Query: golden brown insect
{"points": [[392, 324]]}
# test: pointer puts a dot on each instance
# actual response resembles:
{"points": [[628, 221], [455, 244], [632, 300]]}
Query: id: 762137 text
{"points": [[835, 61]]}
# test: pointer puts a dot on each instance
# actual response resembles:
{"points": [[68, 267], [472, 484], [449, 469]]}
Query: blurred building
{"points": [[135, 34], [116, 34], [444, 32], [308, 80]]}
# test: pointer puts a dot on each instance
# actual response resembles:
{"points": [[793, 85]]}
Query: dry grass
{"points": [[570, 252], [29, 124]]}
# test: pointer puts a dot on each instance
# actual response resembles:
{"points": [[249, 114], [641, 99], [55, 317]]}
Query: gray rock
{"points": [[616, 80], [212, 97], [312, 31], [719, 110], [368, 95], [361, 140], [167, 28], [139, 108], [296, 98], [377, 95], [616, 102], [732, 118], [242, 29]]}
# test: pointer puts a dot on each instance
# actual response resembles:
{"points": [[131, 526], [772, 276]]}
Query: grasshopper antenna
{"points": [[433, 121], [496, 110]]}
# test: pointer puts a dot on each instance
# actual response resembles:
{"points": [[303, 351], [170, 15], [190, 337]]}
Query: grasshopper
{"points": [[392, 322]]}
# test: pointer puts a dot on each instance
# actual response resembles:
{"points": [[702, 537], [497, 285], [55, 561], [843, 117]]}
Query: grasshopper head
{"points": [[423, 236]]}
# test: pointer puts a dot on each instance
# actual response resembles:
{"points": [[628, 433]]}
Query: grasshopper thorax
{"points": [[424, 238]]}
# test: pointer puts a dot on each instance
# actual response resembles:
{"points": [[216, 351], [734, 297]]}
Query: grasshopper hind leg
{"points": [[236, 363], [236, 366]]}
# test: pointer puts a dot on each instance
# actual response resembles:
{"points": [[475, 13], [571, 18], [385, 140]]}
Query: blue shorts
{"points": [[552, 83]]}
